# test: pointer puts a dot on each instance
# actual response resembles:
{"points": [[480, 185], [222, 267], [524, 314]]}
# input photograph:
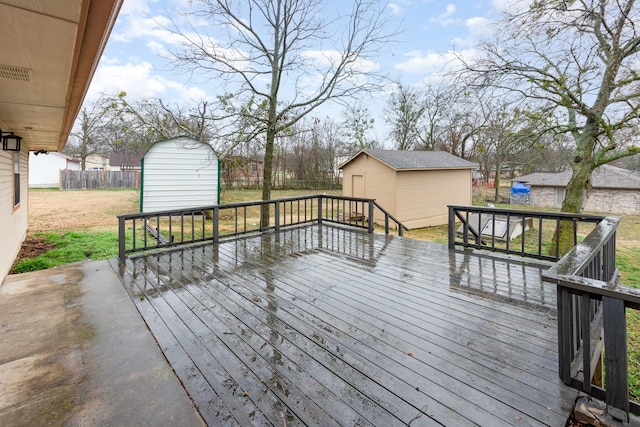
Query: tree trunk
{"points": [[496, 197], [581, 168], [267, 176]]}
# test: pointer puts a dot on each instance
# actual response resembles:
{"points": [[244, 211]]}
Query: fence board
{"points": [[87, 180]]}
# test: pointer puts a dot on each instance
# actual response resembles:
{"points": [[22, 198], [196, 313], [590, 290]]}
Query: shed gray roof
{"points": [[399, 159], [606, 176]]}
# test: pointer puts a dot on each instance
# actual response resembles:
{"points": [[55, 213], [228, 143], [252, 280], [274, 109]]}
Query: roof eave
{"points": [[98, 19]]}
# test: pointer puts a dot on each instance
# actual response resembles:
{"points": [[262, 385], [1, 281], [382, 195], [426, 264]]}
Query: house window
{"points": [[559, 197], [16, 179], [254, 168]]}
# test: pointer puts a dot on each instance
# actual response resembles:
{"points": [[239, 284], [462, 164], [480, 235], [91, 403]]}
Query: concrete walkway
{"points": [[75, 352]]}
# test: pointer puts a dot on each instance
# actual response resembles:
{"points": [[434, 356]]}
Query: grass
{"points": [[71, 247]]}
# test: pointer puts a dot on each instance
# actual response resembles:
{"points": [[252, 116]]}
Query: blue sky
{"points": [[135, 59]]}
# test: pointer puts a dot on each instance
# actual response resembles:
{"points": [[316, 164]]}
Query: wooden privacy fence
{"points": [[86, 180]]}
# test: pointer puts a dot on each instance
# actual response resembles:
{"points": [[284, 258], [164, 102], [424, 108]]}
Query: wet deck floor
{"points": [[324, 326]]}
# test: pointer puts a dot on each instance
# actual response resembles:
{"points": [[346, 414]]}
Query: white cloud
{"points": [[424, 62], [140, 80], [134, 78], [445, 18], [396, 9], [434, 64], [479, 26]]}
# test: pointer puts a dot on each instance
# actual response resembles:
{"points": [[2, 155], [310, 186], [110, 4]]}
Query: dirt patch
{"points": [[85, 210], [33, 246]]}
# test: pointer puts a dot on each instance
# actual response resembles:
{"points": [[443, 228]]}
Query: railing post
{"points": [[615, 358], [121, 241], [320, 198], [452, 228], [276, 213], [370, 217]]}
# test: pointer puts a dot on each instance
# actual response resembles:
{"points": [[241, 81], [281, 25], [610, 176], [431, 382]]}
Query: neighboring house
{"points": [[50, 50], [179, 173], [124, 161], [44, 169], [613, 190], [414, 186], [97, 162], [241, 171]]}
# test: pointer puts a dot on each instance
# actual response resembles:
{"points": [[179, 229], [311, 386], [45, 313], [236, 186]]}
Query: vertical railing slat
{"points": [[615, 358], [585, 319]]}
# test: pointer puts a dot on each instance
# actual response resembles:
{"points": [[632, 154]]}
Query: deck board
{"points": [[320, 325]]}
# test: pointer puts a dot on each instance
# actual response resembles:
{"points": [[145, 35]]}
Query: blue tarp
{"points": [[520, 188]]}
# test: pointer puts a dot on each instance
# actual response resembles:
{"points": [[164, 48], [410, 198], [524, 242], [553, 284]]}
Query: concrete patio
{"points": [[74, 351]]}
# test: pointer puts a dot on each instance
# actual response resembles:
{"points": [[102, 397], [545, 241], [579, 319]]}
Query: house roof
{"points": [[128, 160], [50, 51], [606, 176], [415, 160], [57, 154]]}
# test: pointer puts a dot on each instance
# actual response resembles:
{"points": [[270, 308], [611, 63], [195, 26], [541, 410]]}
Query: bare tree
{"points": [[507, 132], [278, 52], [89, 135], [357, 125], [405, 113], [579, 58]]}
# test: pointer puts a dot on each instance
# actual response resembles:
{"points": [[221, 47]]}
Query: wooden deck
{"points": [[323, 326]]}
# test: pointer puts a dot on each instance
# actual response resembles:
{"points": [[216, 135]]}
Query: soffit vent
{"points": [[15, 73]]}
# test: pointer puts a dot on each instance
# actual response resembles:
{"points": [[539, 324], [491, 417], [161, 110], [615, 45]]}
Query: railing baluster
{"points": [[182, 227], [540, 236], [615, 355], [585, 319], [557, 242]]}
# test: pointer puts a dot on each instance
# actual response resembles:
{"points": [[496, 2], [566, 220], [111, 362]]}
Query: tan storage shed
{"points": [[414, 186]]}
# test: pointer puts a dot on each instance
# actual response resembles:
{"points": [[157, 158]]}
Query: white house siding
{"points": [[44, 169], [424, 195], [13, 220], [600, 200], [179, 173]]}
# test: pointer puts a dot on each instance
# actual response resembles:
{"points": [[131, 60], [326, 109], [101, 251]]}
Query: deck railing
{"points": [[591, 315], [591, 302], [492, 229], [158, 230]]}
